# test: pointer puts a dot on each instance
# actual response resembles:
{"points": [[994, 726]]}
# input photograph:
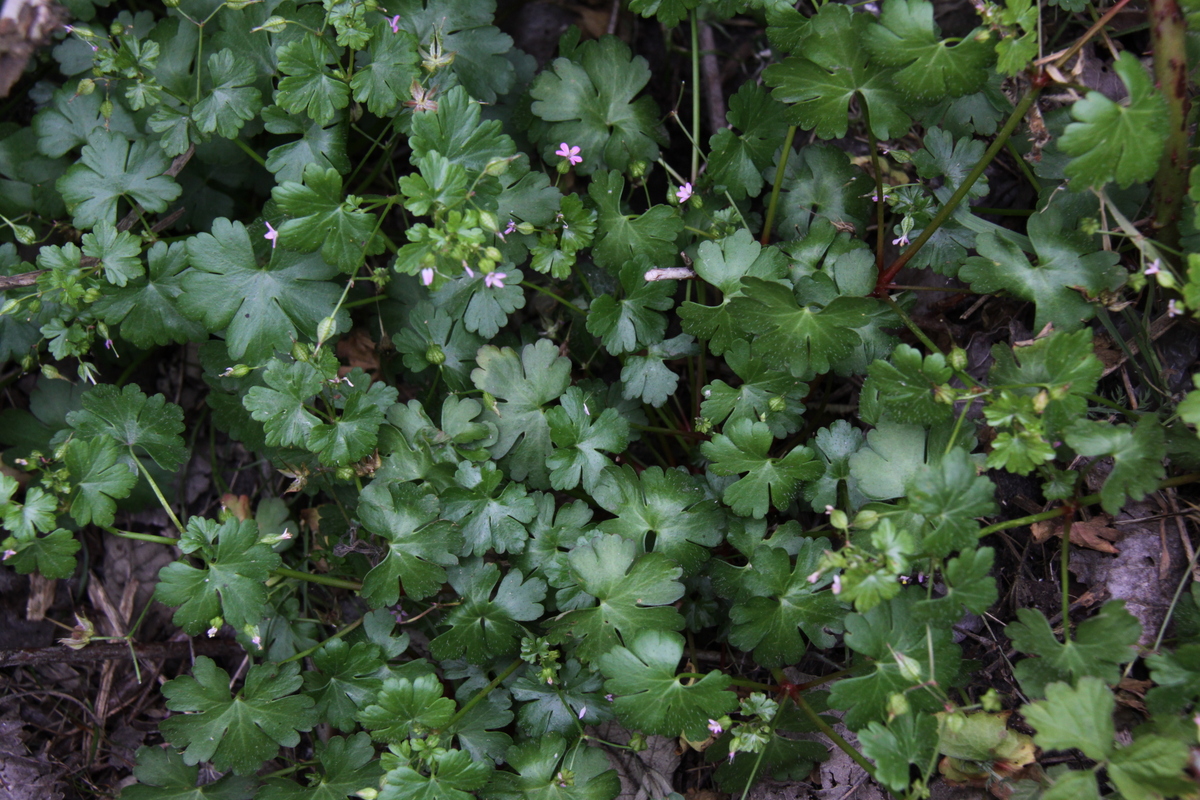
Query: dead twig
{"points": [[109, 651]]}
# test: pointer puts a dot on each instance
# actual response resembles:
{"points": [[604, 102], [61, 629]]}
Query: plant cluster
{"points": [[608, 425]]}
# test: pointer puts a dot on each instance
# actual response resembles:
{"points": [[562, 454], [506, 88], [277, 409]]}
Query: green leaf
{"points": [[348, 764], [281, 404], [768, 481], [232, 583], [882, 633], [490, 521], [432, 333], [110, 169], [523, 385], [483, 627], [952, 161], [131, 419], [772, 397], [418, 547], [927, 66], [910, 385], [951, 495], [835, 445], [648, 377], [232, 101], [833, 70], [101, 477], [117, 253], [37, 513], [723, 264], [736, 161], [163, 775], [1097, 648], [779, 602], [457, 131], [310, 87], [261, 309], [969, 585], [452, 775], [663, 510], [1067, 264], [555, 708], [1151, 767], [385, 70], [407, 707], [318, 144], [908, 739], [345, 680], [804, 340], [1177, 678], [72, 118], [649, 695], [822, 184], [542, 765], [588, 100], [51, 556], [353, 435], [631, 323], [624, 237], [239, 732], [1117, 142], [669, 12], [324, 219], [1063, 363], [1074, 718], [633, 593], [467, 35], [1072, 784], [1137, 455], [578, 438], [157, 320]]}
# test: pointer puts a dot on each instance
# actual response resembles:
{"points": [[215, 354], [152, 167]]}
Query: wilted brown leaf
{"points": [[1094, 533]]}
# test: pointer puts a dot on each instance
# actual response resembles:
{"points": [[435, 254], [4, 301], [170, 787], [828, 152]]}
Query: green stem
{"points": [[248, 150], [696, 96], [555, 297], [925, 340], [157, 492], [950, 205], [880, 205], [1064, 576], [318, 646], [833, 735], [779, 170], [1022, 165], [1087, 500], [668, 431], [324, 580], [484, 692], [1167, 32], [142, 537]]}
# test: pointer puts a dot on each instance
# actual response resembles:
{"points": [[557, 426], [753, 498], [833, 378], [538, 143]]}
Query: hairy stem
{"points": [[779, 170], [1167, 30]]}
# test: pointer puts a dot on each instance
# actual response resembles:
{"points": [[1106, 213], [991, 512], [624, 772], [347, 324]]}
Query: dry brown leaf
{"points": [[1094, 533], [238, 505], [359, 350]]}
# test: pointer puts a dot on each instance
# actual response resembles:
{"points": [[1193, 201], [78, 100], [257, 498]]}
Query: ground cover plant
{"points": [[539, 408]]}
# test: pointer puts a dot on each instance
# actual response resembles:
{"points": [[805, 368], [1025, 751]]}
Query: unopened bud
{"points": [[24, 234], [345, 473], [116, 29], [50, 372], [10, 306], [525, 228], [367, 793], [943, 394], [274, 24], [497, 167], [910, 668], [897, 705], [1040, 401], [957, 359], [1165, 278], [777, 404], [301, 351], [493, 254], [637, 169], [237, 371], [435, 355], [106, 109], [839, 520], [487, 220], [866, 519], [85, 86], [238, 5], [326, 329]]}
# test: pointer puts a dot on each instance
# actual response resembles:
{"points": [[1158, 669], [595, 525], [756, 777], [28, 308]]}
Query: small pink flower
{"points": [[714, 727], [212, 631], [427, 276], [608, 697], [470, 272], [569, 153], [283, 537], [8, 554], [512, 226], [902, 241], [1172, 309], [271, 235], [494, 280], [684, 193], [1153, 268], [816, 576], [583, 712], [395, 23], [837, 584]]}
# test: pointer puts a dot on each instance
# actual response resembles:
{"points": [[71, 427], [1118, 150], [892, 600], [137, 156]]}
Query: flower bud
{"points": [[345, 473], [116, 29], [237, 371], [85, 86], [10, 306], [50, 372], [866, 519], [274, 24], [497, 167], [957, 359], [525, 228], [910, 668], [487, 221], [637, 169], [301, 351], [563, 167], [1040, 401], [493, 254], [326, 329], [897, 705], [24, 234], [839, 520], [106, 109], [434, 354], [777, 404], [238, 5], [367, 793], [1166, 279]]}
